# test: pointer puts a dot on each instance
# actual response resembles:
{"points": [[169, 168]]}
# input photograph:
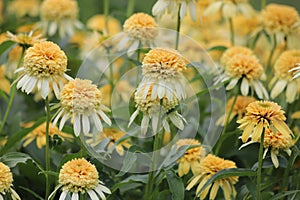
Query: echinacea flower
{"points": [[238, 109], [191, 158], [283, 78], [21, 8], [235, 50], [172, 7], [162, 70], [39, 134], [230, 8], [6, 180], [80, 176], [209, 166], [4, 82], [262, 115], [244, 68], [114, 135], [97, 23], [61, 16], [157, 110], [25, 40], [139, 29], [82, 101], [277, 18], [44, 64]]}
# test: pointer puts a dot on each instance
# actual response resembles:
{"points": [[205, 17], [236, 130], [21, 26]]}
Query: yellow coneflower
{"points": [[80, 176], [230, 8], [21, 8], [262, 115], [154, 111], [162, 69], [25, 40], [39, 134], [97, 23], [172, 6], [6, 180], [244, 26], [114, 135], [82, 101], [284, 77], [140, 29], [245, 67], [191, 158], [61, 16], [5, 84], [209, 166], [44, 64], [277, 18], [238, 109]]}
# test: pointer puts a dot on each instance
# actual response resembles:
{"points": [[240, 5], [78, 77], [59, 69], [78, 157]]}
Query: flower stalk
{"points": [[178, 28], [259, 168], [47, 149]]}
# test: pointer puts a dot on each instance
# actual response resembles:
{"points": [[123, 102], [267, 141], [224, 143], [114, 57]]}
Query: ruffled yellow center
{"points": [[45, 59], [240, 105], [287, 61], [56, 10], [229, 53], [244, 65], [277, 140], [196, 153], [78, 175], [80, 97], [6, 178]]}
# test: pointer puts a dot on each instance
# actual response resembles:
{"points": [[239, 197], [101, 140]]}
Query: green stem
{"points": [[272, 51], [219, 144], [130, 8], [259, 168], [106, 14], [12, 95], [47, 149], [178, 28], [231, 31], [287, 170]]}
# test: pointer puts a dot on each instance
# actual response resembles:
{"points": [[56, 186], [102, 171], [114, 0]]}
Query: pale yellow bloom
{"points": [[244, 26], [283, 78], [6, 180], [82, 101], [277, 18], [61, 16], [25, 40], [235, 50], [114, 135], [262, 115], [39, 134], [4, 82], [80, 176], [21, 8], [209, 166], [97, 23], [191, 158], [44, 64]]}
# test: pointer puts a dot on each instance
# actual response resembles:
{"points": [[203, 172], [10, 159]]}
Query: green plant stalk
{"points": [[47, 149], [139, 68], [106, 13], [259, 168], [178, 28], [12, 95], [156, 145], [219, 144], [287, 170], [130, 8], [231, 31], [272, 52]]}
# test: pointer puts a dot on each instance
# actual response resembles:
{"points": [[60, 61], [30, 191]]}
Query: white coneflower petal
{"points": [[75, 196], [63, 195], [144, 124], [278, 88], [291, 92], [92, 194], [85, 124], [245, 87]]}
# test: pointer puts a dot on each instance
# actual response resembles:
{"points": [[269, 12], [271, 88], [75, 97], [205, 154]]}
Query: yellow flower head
{"points": [[244, 25], [21, 8], [56, 10], [97, 22], [262, 115], [232, 51], [39, 133], [25, 40], [209, 166], [280, 18], [191, 158], [6, 178], [82, 100], [78, 175], [286, 61], [141, 26]]}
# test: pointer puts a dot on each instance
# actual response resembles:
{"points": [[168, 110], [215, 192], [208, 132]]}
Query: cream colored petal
{"points": [[296, 115], [282, 127], [257, 132], [278, 88], [245, 87], [227, 190], [247, 132], [274, 159], [214, 190], [193, 181], [291, 92], [213, 8], [232, 84]]}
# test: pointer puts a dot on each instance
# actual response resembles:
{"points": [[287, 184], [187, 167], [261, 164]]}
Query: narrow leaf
{"points": [[176, 186], [13, 158]]}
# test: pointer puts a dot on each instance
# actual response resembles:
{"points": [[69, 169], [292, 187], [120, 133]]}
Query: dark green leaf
{"points": [[5, 45], [176, 186], [217, 48], [131, 179], [31, 192], [284, 194], [13, 158]]}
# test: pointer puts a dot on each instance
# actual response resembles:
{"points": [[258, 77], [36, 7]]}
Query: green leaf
{"points": [[130, 180], [217, 48], [15, 138], [13, 158], [5, 45], [128, 162], [3, 95], [176, 186], [31, 192], [228, 173], [284, 194]]}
